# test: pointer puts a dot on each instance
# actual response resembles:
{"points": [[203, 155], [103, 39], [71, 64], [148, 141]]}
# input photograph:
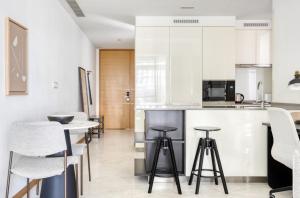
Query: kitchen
{"points": [[205, 71], [148, 98]]}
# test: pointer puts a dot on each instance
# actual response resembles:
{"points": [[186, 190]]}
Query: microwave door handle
{"points": [[225, 93]]}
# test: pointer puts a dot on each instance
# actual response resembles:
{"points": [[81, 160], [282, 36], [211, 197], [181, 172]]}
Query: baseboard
{"points": [[33, 183]]}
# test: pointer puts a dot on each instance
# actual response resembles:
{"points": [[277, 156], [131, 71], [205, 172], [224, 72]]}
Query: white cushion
{"points": [[41, 167], [38, 167]]}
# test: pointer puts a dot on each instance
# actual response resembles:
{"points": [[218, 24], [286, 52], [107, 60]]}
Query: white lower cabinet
{"points": [[241, 141], [186, 65], [218, 53]]}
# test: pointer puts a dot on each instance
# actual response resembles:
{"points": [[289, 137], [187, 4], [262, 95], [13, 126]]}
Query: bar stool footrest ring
{"points": [[207, 170]]}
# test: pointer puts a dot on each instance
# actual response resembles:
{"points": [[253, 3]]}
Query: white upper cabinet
{"points": [[245, 46], [152, 64], [253, 47], [264, 47], [218, 53], [186, 65]]}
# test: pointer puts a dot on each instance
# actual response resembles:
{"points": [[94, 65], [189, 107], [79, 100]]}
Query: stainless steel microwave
{"points": [[218, 90]]}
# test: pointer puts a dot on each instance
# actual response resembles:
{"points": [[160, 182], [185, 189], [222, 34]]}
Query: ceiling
{"points": [[110, 23]]}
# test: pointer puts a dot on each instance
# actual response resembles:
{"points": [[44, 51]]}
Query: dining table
{"points": [[53, 187]]}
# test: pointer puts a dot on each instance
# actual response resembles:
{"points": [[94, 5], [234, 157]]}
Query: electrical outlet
{"points": [[55, 85]]}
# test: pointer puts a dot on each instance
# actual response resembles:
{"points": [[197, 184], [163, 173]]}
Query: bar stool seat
{"points": [[207, 145], [164, 129], [207, 128], [165, 143]]}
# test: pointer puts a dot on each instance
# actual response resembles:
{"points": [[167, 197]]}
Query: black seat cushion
{"points": [[163, 128]]}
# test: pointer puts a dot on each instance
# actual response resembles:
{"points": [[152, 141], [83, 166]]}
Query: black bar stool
{"points": [[206, 144], [165, 143]]}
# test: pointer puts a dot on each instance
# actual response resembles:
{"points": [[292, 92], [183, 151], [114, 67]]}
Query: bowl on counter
{"points": [[63, 119]]}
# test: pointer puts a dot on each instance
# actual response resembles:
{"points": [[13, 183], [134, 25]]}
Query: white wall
{"points": [[56, 48], [286, 49]]}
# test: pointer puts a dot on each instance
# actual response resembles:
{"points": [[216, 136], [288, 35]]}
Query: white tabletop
{"points": [[80, 125]]}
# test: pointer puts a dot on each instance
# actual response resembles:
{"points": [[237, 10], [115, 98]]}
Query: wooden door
{"points": [[117, 84]]}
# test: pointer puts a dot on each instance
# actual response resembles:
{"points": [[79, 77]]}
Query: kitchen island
{"points": [[241, 142]]}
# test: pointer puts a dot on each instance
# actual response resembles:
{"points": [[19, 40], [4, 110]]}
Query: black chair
{"points": [[164, 142], [206, 144]]}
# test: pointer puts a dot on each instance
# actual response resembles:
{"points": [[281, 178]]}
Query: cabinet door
{"points": [[218, 53], [152, 64], [245, 46], [186, 65], [263, 49]]}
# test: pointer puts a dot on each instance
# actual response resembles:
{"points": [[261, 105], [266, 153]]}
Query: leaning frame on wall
{"points": [[83, 90]]}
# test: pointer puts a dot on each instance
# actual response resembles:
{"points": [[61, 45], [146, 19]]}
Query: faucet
{"points": [[260, 88]]}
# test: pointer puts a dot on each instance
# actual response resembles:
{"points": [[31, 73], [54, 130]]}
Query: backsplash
{"points": [[247, 80]]}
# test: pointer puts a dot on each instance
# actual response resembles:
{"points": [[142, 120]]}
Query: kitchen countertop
{"points": [[195, 107], [291, 107], [269, 125]]}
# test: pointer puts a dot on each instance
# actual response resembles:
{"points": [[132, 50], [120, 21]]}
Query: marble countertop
{"points": [[269, 125], [195, 107], [291, 107], [75, 125]]}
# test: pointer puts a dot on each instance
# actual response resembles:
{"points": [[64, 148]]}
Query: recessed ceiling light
{"points": [[187, 7]]}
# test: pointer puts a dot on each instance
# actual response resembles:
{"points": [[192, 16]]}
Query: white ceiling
{"points": [[110, 23]]}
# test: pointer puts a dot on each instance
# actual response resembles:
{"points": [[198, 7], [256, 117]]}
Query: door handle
{"points": [[127, 95]]}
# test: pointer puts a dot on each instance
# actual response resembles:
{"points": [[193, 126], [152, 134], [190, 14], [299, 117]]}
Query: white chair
{"points": [[286, 140], [32, 142], [78, 149]]}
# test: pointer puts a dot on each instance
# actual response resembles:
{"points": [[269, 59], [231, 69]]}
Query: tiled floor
{"points": [[113, 175]]}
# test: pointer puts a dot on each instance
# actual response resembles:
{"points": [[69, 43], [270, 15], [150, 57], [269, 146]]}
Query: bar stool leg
{"points": [[214, 165], [200, 166], [215, 148], [154, 165], [195, 161], [170, 145]]}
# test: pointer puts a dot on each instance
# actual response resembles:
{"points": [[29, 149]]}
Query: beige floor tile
{"points": [[112, 159]]}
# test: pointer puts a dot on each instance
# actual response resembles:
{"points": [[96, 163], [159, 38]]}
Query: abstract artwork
{"points": [[16, 58]]}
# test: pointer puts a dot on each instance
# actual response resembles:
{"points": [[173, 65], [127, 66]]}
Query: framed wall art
{"points": [[16, 58]]}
